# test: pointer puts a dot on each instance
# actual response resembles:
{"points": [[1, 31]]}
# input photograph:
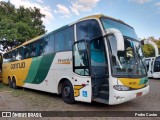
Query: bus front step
{"points": [[101, 100], [104, 87], [104, 95]]}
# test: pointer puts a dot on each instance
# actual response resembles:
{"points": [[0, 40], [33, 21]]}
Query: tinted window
{"points": [[14, 54], [69, 33], [88, 30], [49, 44], [19, 54], [125, 29], [27, 51], [5, 57], [41, 46], [81, 59], [33, 50], [60, 41], [64, 39], [157, 65]]}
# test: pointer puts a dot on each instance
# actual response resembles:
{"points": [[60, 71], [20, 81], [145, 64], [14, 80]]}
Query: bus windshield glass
{"points": [[125, 29], [127, 63]]}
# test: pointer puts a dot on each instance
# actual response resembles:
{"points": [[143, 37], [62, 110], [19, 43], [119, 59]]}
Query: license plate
{"points": [[139, 94]]}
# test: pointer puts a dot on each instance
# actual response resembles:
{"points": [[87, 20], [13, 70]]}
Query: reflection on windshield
{"points": [[125, 29], [127, 63]]}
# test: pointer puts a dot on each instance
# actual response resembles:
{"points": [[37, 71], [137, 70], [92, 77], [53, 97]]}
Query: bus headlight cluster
{"points": [[121, 87]]}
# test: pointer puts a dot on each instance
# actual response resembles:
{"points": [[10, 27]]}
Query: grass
{"points": [[4, 87], [15, 93], [36, 100]]}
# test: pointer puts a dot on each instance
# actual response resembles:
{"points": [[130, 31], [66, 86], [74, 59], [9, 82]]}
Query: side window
{"points": [[13, 55], [40, 47], [49, 44], [64, 39], [69, 33], [5, 57], [19, 54], [9, 56], [81, 64], [33, 50], [88, 29], [60, 41], [27, 52]]}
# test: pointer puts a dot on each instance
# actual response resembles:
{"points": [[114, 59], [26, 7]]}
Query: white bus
{"points": [[97, 58], [153, 63], [150, 65]]}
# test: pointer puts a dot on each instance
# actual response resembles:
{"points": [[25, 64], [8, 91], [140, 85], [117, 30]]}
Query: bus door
{"points": [[99, 70], [81, 73]]}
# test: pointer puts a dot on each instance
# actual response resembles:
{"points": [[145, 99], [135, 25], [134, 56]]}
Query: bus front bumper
{"points": [[117, 97]]}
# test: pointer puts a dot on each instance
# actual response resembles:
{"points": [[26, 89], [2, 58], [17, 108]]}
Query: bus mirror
{"points": [[119, 37]]}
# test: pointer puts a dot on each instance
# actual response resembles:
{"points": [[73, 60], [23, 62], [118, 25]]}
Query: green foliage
{"points": [[148, 51], [18, 25]]}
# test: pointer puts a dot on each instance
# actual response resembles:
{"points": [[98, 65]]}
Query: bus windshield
{"points": [[125, 29], [127, 63]]}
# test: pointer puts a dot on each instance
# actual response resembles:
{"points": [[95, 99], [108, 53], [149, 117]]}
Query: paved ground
{"points": [[31, 100]]}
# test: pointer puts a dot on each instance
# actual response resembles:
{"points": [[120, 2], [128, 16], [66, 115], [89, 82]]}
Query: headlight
{"points": [[121, 87]]}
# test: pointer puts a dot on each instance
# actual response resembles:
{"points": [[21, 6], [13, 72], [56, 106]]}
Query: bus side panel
{"points": [[17, 69], [41, 74], [60, 68], [5, 72]]}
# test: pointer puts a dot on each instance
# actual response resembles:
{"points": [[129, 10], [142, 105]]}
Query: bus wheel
{"points": [[14, 86], [10, 82], [67, 92]]}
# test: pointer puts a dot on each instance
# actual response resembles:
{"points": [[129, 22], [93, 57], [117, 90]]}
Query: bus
{"points": [[153, 63], [97, 58], [149, 64]]}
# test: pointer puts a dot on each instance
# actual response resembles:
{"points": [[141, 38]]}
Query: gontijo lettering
{"points": [[18, 65]]}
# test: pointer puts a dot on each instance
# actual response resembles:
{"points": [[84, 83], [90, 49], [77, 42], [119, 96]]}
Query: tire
{"points": [[67, 92], [10, 82], [14, 86]]}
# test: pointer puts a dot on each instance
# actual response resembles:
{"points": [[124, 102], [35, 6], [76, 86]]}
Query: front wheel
{"points": [[67, 92]]}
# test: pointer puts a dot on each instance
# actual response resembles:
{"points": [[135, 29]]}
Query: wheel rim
{"points": [[67, 91]]}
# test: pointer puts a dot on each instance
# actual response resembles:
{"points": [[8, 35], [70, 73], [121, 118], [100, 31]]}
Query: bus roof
{"points": [[98, 16]]}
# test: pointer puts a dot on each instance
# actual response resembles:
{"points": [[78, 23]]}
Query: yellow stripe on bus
{"points": [[131, 82], [17, 69]]}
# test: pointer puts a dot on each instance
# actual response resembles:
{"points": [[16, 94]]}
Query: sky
{"points": [[142, 15]]}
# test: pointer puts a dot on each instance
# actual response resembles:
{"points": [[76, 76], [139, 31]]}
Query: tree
{"points": [[148, 50], [18, 25]]}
